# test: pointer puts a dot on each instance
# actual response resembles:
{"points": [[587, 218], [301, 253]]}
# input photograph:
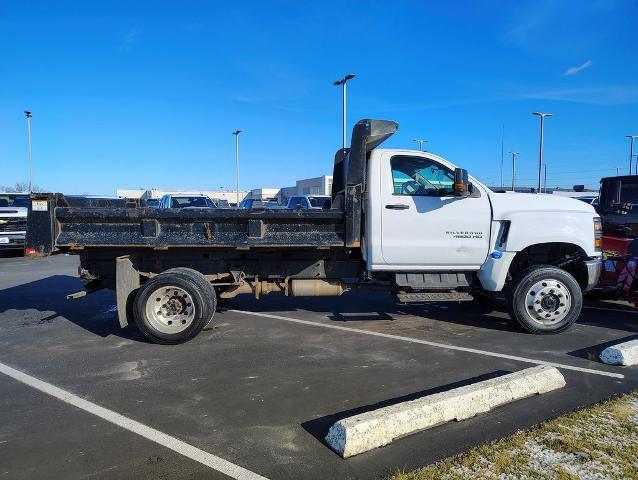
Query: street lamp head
{"points": [[542, 114], [633, 137], [236, 132], [28, 113], [350, 76]]}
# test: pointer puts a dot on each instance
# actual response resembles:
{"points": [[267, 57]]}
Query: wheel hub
{"points": [[170, 309], [548, 301]]}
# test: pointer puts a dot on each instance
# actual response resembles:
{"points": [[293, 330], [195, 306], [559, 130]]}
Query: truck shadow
{"points": [[43, 301], [365, 307]]}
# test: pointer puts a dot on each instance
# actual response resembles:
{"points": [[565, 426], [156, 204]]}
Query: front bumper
{"points": [[594, 268], [13, 241]]}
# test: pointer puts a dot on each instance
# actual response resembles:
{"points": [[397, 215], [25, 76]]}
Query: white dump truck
{"points": [[404, 221]]}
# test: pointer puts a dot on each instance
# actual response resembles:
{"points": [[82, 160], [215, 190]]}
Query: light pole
{"points": [[631, 151], [545, 179], [236, 133], [502, 154], [28, 114], [540, 148], [514, 154], [343, 82], [420, 141]]}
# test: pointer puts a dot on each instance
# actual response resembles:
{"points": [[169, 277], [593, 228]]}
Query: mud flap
{"points": [[127, 281]]}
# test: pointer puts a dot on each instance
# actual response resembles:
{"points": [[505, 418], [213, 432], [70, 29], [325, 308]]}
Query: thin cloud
{"points": [[246, 99], [129, 39], [606, 95], [575, 70]]}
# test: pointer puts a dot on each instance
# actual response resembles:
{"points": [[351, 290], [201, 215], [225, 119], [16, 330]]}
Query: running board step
{"points": [[434, 297]]}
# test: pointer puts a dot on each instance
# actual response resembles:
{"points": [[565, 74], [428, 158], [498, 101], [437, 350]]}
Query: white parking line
{"points": [[435, 344], [183, 448]]}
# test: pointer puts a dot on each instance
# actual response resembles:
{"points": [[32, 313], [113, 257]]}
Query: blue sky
{"points": [[147, 94]]}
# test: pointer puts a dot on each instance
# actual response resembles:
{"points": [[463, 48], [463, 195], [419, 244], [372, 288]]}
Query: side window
{"points": [[420, 176]]}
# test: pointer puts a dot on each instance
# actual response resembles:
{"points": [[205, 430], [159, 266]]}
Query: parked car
{"points": [[152, 202], [13, 220], [221, 203], [256, 203], [307, 202], [186, 201]]}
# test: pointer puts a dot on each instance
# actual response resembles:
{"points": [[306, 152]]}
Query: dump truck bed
{"points": [[169, 228], [116, 225]]}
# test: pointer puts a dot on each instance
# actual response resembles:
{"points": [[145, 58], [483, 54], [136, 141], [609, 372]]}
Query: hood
{"points": [[17, 212], [506, 204]]}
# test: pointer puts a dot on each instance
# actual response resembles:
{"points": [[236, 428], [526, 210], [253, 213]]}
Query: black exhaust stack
{"points": [[348, 182]]}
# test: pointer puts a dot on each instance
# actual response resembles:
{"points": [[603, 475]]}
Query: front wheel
{"points": [[172, 308], [545, 299]]}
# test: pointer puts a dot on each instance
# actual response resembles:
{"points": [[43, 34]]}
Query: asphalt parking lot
{"points": [[263, 385]]}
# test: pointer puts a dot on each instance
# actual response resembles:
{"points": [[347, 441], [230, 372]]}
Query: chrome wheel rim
{"points": [[548, 301], [170, 309]]}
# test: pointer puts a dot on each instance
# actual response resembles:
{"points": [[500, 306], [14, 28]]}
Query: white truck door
{"points": [[425, 227]]}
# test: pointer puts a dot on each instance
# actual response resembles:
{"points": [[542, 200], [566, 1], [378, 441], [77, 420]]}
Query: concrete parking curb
{"points": [[360, 433], [622, 354]]}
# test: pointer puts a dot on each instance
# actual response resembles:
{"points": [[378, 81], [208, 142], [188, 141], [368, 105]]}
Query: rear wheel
{"points": [[545, 299], [172, 308], [202, 281]]}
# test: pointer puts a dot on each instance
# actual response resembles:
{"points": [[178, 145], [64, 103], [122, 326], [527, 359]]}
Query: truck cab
{"points": [[417, 222], [13, 220]]}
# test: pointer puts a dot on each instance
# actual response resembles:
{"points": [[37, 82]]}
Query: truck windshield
{"points": [[185, 202], [319, 202], [10, 200]]}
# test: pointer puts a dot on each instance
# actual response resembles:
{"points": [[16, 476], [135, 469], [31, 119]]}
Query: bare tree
{"points": [[19, 187]]}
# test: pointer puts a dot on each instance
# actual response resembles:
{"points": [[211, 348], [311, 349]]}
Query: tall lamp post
{"points": [[343, 83], [28, 114], [631, 151], [502, 153], [514, 155], [420, 141], [236, 133], [540, 148], [545, 179]]}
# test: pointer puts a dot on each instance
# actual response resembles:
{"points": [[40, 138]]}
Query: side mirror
{"points": [[461, 183]]}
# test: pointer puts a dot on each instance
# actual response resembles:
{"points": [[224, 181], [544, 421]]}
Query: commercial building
{"points": [[309, 186]]}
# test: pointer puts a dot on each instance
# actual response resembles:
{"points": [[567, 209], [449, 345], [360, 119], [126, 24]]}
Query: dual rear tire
{"points": [[174, 306]]}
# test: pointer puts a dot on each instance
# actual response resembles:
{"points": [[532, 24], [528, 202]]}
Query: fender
{"points": [[528, 228]]}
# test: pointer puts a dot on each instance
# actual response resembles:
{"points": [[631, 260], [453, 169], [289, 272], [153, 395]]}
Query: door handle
{"points": [[397, 206]]}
